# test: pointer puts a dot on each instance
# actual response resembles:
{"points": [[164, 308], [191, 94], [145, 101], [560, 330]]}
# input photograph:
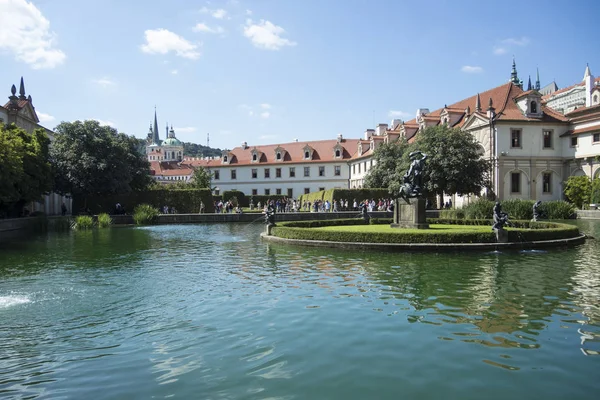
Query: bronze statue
{"points": [[270, 215], [413, 178], [500, 217], [537, 213]]}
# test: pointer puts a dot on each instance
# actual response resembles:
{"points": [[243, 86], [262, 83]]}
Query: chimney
{"points": [[395, 123], [340, 138], [244, 145], [380, 130], [369, 133]]}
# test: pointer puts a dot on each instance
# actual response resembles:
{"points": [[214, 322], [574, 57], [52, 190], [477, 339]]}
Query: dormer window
{"points": [[533, 107], [254, 157], [225, 158], [338, 153], [278, 156], [306, 155]]}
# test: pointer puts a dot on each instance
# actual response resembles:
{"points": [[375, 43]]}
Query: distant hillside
{"points": [[197, 150]]}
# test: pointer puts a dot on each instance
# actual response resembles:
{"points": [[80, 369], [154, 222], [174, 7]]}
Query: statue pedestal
{"points": [[501, 235], [410, 214], [268, 229]]}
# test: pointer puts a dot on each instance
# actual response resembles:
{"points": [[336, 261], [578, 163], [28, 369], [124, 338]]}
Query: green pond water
{"points": [[211, 312]]}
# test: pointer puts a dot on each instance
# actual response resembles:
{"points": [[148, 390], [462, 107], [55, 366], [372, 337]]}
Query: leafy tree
{"points": [[595, 196], [25, 172], [454, 164], [92, 159], [201, 178], [198, 150], [387, 157], [578, 190]]}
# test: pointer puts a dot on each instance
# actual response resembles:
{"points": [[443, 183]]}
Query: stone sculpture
{"points": [[413, 178], [500, 217], [537, 213]]}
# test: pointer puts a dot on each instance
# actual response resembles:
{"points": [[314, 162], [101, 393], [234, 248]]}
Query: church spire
{"points": [[587, 71], [478, 104], [22, 91], [529, 83], [514, 78], [155, 137], [537, 79]]}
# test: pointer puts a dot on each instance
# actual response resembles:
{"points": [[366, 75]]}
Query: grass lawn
{"points": [[387, 229]]}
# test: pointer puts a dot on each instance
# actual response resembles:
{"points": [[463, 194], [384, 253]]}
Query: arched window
{"points": [[254, 157], [337, 153], [533, 107], [307, 154], [278, 156], [224, 158], [595, 98]]}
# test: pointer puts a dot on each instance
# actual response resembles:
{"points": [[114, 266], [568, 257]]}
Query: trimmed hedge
{"points": [[523, 231], [346, 194], [242, 201], [515, 208], [185, 201]]}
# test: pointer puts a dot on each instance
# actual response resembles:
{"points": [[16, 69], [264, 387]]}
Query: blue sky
{"points": [[271, 71]]}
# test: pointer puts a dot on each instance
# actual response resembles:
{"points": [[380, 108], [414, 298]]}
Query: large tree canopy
{"points": [[92, 159], [25, 173], [454, 163], [201, 179]]}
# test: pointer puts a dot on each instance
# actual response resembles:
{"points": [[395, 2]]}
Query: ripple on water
{"points": [[211, 312]]}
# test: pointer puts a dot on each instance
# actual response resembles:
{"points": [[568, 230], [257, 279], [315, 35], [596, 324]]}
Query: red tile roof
{"points": [[171, 168], [323, 151]]}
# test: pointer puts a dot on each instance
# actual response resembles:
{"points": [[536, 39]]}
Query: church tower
{"points": [[514, 78]]}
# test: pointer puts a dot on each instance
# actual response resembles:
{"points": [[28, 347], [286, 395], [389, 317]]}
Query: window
{"points": [[306, 171], [290, 193], [533, 107], [254, 192], [321, 171], [306, 190], [338, 153], [267, 173], [233, 174], [267, 192], [547, 139], [278, 192], [217, 175], [278, 156], [595, 98], [321, 189], [254, 157], [515, 138], [515, 182], [254, 173], [224, 158], [217, 192], [292, 172], [359, 168], [547, 182], [354, 168], [307, 155], [574, 141], [596, 138], [337, 170], [277, 172]]}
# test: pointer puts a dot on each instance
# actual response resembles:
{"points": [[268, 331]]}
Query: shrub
{"points": [[479, 209], [104, 220], [145, 214], [452, 214], [578, 190], [83, 222], [237, 197], [518, 209], [557, 209], [595, 197]]}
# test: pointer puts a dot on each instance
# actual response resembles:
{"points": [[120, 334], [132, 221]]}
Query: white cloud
{"points": [[506, 44], [251, 113], [522, 41], [398, 114], [265, 106], [248, 12], [215, 13], [202, 27], [471, 69], [104, 82], [174, 71], [162, 41], [25, 32], [265, 114], [265, 137], [45, 117], [186, 129], [266, 35], [103, 122]]}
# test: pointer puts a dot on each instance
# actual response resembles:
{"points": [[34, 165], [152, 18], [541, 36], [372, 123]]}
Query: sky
{"points": [[272, 71]]}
